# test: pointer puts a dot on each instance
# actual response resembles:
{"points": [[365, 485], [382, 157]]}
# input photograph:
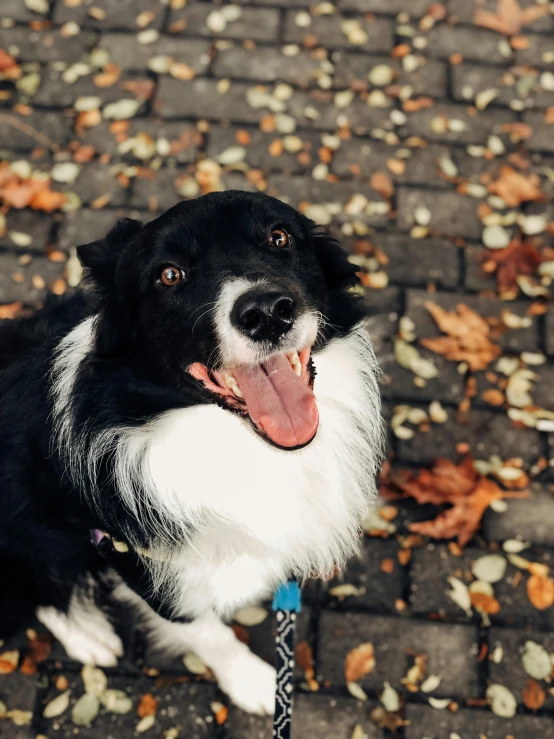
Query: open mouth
{"points": [[277, 395]]}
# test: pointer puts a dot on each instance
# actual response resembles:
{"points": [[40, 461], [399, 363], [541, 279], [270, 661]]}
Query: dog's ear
{"points": [[100, 257], [338, 271]]}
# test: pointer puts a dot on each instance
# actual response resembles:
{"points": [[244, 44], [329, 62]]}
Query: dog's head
{"points": [[230, 292]]}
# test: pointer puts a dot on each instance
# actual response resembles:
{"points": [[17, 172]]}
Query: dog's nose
{"points": [[264, 315]]}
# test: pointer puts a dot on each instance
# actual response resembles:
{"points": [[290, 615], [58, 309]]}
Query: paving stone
{"points": [[396, 381], [298, 191], [451, 214], [18, 692], [419, 261], [83, 226], [126, 51], [156, 192], [516, 340], [377, 590], [468, 129], [417, 7], [359, 156], [95, 181], [468, 80], [33, 224], [386, 301], [257, 151], [327, 32], [428, 723], [431, 566], [451, 650], [542, 138], [16, 279], [549, 324], [509, 672], [474, 44], [540, 52], [475, 278], [56, 126], [486, 433], [54, 91], [429, 79], [259, 24], [268, 64], [183, 706], [44, 46], [528, 519], [183, 139], [118, 14], [314, 715], [18, 11]]}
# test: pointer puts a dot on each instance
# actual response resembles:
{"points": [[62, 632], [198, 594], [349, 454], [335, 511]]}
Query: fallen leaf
{"points": [[359, 662], [468, 492], [386, 720], [540, 591], [57, 706], [147, 705], [304, 659], [516, 188], [533, 695], [10, 310], [38, 649], [484, 602], [9, 661], [85, 709], [509, 17], [502, 701], [468, 336], [536, 661], [116, 701], [518, 258], [382, 184]]}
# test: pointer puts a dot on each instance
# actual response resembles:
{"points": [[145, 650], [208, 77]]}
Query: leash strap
{"points": [[286, 605]]}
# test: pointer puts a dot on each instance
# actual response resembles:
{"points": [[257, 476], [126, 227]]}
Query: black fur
{"points": [[146, 337]]}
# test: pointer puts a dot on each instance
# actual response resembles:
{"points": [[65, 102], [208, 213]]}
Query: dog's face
{"points": [[230, 292]]}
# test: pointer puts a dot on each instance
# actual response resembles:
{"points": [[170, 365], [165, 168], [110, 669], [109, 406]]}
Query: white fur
{"points": [[234, 348], [248, 680], [84, 631], [259, 513]]}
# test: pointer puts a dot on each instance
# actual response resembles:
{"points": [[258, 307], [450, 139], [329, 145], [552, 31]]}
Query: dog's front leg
{"points": [[247, 679]]}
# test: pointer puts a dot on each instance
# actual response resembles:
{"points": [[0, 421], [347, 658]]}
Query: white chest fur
{"points": [[259, 513]]}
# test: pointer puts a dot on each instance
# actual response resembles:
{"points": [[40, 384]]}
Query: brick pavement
{"points": [[155, 101]]}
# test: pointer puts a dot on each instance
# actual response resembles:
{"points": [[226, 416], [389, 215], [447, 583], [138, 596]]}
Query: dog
{"points": [[198, 423]]}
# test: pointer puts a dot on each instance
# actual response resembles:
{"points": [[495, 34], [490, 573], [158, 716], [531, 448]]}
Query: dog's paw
{"points": [[86, 637], [101, 648], [249, 682]]}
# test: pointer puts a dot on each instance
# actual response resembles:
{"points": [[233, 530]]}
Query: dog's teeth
{"points": [[295, 362], [232, 384]]}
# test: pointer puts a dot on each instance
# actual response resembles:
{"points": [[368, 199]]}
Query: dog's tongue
{"points": [[279, 402]]}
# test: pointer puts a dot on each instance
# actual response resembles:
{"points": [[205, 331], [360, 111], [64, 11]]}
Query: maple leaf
{"points": [[509, 17], [518, 258], [516, 188], [459, 485], [468, 336]]}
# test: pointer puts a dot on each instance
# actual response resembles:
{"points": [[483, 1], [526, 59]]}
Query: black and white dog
{"points": [[198, 425]]}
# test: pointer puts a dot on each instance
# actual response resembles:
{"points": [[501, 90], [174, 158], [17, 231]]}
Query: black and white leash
{"points": [[286, 604]]}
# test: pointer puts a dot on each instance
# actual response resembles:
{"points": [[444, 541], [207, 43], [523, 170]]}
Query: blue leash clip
{"points": [[287, 597]]}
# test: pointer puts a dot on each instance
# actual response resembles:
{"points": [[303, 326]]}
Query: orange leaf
{"points": [[540, 591], [382, 184], [509, 17], [485, 602], [10, 310], [48, 200], [533, 695], [516, 188], [359, 662], [221, 715], [39, 649], [147, 705]]}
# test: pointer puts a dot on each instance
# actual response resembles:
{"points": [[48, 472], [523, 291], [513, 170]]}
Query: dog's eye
{"points": [[279, 237], [171, 276]]}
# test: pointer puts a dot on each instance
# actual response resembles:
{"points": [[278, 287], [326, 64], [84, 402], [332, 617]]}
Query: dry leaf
{"points": [[468, 492], [39, 647], [147, 705], [359, 662], [304, 658], [518, 258], [485, 603], [516, 188], [9, 661], [382, 184], [533, 695], [468, 337], [10, 310], [540, 591], [509, 17]]}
